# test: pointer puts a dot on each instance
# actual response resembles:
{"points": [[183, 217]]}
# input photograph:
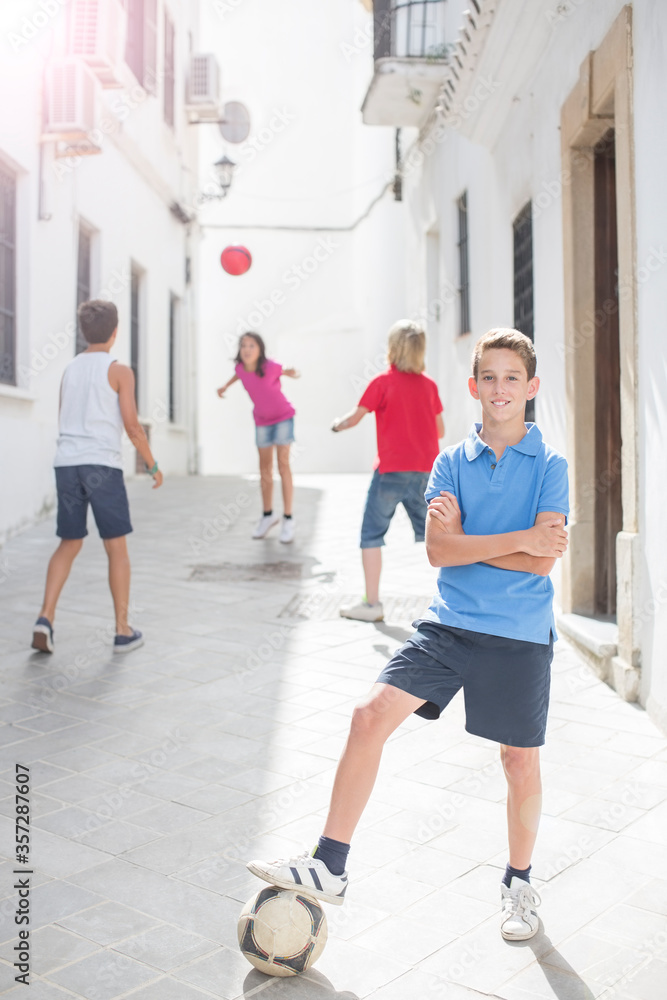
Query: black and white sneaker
{"points": [[42, 635], [303, 873]]}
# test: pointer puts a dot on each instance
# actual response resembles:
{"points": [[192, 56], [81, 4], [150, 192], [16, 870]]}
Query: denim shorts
{"points": [[98, 485], [270, 434], [505, 681], [386, 491]]}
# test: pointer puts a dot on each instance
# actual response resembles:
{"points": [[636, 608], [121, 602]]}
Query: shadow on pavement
{"points": [[565, 982]]}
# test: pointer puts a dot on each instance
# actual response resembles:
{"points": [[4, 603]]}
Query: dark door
{"points": [[608, 500]]}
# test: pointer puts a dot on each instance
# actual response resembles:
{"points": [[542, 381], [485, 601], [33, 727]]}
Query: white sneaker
{"points": [[363, 612], [518, 920], [264, 525], [305, 874], [287, 530]]}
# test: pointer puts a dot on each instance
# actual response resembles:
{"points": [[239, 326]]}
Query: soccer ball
{"points": [[282, 932]]}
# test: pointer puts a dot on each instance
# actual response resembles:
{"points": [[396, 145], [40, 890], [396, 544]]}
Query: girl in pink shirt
{"points": [[274, 426]]}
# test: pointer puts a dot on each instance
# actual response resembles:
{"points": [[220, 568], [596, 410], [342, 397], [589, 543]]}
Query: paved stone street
{"points": [[155, 776]]}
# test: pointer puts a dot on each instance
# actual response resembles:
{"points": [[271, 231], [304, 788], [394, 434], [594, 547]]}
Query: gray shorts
{"points": [[505, 681]]}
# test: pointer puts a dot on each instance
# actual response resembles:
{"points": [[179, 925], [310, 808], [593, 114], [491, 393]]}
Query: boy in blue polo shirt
{"points": [[498, 504]]}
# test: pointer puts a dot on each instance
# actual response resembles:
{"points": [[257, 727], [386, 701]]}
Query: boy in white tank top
{"points": [[96, 402]]}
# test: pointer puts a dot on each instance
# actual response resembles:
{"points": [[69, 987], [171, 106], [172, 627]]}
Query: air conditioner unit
{"points": [[70, 99], [97, 35], [203, 90]]}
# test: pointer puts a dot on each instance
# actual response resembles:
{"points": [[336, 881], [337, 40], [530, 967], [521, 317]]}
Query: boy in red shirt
{"points": [[408, 415]]}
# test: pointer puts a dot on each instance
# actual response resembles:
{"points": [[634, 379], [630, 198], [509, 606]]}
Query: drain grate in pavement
{"points": [[244, 573], [320, 606]]}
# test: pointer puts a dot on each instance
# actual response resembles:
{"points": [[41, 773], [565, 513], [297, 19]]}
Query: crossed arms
{"points": [[532, 550]]}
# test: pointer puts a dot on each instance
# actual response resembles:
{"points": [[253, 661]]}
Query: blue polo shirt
{"points": [[496, 498]]}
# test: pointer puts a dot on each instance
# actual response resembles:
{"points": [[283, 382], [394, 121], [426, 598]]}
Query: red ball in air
{"points": [[235, 260]]}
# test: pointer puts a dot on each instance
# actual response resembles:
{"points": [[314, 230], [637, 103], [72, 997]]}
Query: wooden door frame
{"points": [[601, 99]]}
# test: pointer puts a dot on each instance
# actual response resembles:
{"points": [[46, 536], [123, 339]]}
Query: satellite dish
{"points": [[235, 124]]}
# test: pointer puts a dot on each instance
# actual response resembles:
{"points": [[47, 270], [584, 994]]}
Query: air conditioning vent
{"points": [[97, 34], [70, 99], [203, 92]]}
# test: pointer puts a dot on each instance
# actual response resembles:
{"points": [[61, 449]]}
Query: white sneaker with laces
{"points": [[363, 612], [305, 874], [518, 920], [287, 530], [264, 525]]}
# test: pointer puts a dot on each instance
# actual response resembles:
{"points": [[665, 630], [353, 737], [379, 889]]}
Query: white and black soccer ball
{"points": [[282, 932]]}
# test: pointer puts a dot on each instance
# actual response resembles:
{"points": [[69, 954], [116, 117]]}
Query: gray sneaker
{"points": [[363, 612]]}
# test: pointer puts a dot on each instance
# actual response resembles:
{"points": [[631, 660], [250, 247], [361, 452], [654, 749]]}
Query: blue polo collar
{"points": [[530, 444]]}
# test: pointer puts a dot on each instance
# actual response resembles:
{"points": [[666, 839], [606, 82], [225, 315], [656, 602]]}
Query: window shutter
{"points": [[150, 46]]}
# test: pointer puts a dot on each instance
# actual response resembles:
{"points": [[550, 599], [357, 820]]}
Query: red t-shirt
{"points": [[405, 406]]}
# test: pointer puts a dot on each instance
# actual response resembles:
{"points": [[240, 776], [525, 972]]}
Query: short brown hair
{"points": [[98, 319], [504, 338], [407, 346]]}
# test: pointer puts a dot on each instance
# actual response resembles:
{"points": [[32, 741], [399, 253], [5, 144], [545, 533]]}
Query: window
{"points": [[464, 280], [523, 280], [82, 280], [141, 46], [173, 359], [168, 71], [135, 331], [7, 276]]}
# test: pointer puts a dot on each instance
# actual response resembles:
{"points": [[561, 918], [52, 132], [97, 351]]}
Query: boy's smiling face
{"points": [[502, 386]]}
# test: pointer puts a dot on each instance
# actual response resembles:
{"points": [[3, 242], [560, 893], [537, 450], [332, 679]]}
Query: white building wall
{"points": [[123, 195], [650, 83], [309, 170], [518, 157]]}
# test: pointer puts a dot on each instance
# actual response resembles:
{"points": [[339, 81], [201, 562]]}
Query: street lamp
{"points": [[224, 169]]}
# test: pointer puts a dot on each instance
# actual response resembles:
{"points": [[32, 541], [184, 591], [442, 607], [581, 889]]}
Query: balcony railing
{"points": [[412, 29]]}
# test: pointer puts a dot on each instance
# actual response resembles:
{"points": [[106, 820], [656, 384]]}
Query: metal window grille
{"points": [[409, 28], [82, 281], [168, 71], [173, 358], [464, 275], [523, 281], [7, 276], [135, 285]]}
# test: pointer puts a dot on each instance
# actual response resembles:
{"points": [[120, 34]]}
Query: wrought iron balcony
{"points": [[410, 53]]}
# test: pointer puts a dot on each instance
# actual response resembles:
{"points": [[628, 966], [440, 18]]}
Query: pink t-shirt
{"points": [[271, 406]]}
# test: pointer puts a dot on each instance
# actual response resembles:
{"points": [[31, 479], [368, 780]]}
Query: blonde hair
{"points": [[407, 346], [508, 339]]}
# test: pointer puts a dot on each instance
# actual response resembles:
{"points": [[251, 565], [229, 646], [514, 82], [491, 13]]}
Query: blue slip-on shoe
{"points": [[42, 635], [126, 643]]}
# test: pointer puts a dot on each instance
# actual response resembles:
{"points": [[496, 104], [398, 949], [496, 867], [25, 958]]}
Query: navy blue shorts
{"points": [[386, 491], [98, 485], [505, 681]]}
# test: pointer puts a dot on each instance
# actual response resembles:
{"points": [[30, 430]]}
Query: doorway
{"points": [[608, 494]]}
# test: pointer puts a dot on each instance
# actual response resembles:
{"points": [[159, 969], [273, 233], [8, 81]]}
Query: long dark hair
{"points": [[259, 370]]}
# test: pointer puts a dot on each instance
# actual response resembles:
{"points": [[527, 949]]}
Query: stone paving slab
{"points": [[154, 777]]}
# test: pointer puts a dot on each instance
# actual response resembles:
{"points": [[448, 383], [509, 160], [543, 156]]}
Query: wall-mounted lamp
{"points": [[224, 169]]}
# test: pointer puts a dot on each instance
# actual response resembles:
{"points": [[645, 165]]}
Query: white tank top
{"points": [[90, 422]]}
